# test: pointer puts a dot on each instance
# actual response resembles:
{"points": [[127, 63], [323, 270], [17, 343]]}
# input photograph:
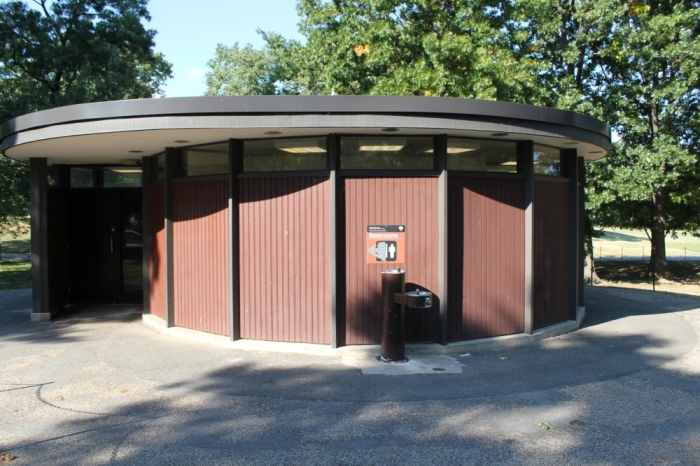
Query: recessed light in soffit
{"points": [[390, 130], [272, 132], [499, 135]]}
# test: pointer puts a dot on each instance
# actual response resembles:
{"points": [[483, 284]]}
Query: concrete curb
{"points": [[506, 341]]}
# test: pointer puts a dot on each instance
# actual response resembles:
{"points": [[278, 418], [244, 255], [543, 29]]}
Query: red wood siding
{"points": [[156, 249], [284, 259], [553, 281], [486, 221], [201, 256], [390, 201]]}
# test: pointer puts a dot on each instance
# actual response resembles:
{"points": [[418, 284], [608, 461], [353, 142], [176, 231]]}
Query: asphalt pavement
{"points": [[97, 386]]}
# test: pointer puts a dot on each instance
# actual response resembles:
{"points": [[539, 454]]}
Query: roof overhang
{"points": [[106, 132]]}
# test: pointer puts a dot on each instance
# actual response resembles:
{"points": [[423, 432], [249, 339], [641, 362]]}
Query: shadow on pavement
{"points": [[197, 404]]}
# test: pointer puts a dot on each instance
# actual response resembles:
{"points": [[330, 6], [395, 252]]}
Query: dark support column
{"points": [[146, 176], [170, 173], [441, 165], [569, 156], [581, 228], [60, 175], [235, 162], [526, 167], [333, 146], [97, 178], [38, 182], [338, 295]]}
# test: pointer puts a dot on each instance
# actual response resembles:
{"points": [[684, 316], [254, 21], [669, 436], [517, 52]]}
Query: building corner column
{"points": [[38, 197], [441, 165], [526, 167], [581, 229], [571, 166], [146, 178], [235, 162], [170, 174]]}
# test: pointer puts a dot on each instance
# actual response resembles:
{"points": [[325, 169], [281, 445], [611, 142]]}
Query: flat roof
{"points": [[106, 132]]}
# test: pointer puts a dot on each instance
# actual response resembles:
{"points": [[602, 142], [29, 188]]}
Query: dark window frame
{"points": [[181, 173], [98, 174], [481, 173], [383, 172], [561, 173], [285, 173]]}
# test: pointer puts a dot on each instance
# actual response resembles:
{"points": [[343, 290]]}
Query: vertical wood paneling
{"points": [[390, 201], [552, 253], [486, 249], [284, 259], [156, 249], [201, 255]]}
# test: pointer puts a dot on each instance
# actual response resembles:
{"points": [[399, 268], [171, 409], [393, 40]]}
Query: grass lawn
{"points": [[15, 275], [635, 242], [16, 245]]}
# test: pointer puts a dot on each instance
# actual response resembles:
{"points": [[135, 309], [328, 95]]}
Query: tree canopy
{"points": [[63, 52], [72, 51], [647, 80]]}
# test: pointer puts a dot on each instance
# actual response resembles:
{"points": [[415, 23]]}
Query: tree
{"points": [[648, 82], [419, 47], [246, 71], [67, 52], [387, 47]]}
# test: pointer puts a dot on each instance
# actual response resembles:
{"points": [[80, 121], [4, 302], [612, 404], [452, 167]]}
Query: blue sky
{"points": [[188, 32]]}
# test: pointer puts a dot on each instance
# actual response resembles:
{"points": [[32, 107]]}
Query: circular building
{"points": [[272, 217]]}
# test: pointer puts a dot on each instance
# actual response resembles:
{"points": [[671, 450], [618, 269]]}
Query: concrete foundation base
{"points": [[41, 316], [506, 341]]}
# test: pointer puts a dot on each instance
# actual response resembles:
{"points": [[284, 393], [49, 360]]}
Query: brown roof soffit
{"points": [[259, 105]]}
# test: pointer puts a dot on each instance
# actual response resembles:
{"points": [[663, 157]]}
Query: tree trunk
{"points": [[658, 233], [589, 270]]}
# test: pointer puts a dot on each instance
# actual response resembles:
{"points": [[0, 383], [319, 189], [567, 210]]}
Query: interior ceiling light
{"points": [[380, 148], [390, 130], [382, 145], [499, 135], [181, 141], [455, 150], [125, 170], [272, 132], [299, 147], [302, 150], [136, 152], [510, 162]]}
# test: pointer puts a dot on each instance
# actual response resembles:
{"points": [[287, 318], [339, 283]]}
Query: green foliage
{"points": [[14, 197], [74, 51], [67, 52], [647, 81], [245, 71], [383, 47], [15, 275], [421, 47]]}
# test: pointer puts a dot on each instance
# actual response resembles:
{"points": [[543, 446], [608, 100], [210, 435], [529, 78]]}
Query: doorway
{"points": [[104, 247]]}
